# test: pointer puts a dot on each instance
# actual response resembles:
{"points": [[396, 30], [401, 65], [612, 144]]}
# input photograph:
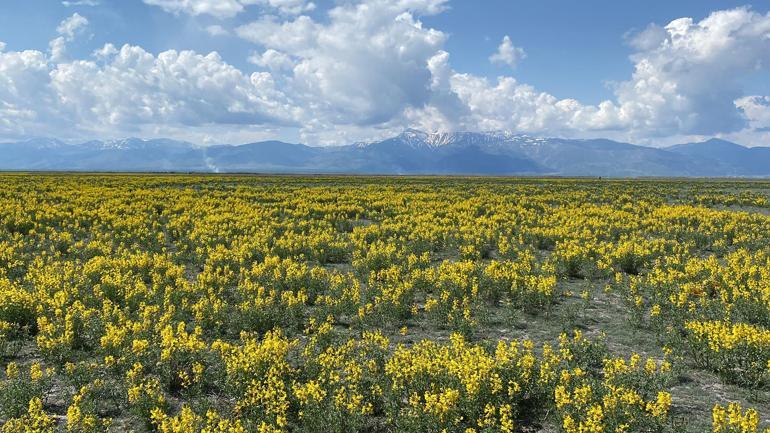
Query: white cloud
{"points": [[217, 30], [747, 137], [184, 87], [216, 8], [81, 3], [68, 29], [369, 68], [689, 81], [648, 39], [756, 109], [298, 35], [131, 89], [686, 81], [285, 7], [24, 98], [71, 26], [105, 52], [508, 104], [373, 64], [365, 66], [272, 59], [231, 8], [58, 49], [508, 54]]}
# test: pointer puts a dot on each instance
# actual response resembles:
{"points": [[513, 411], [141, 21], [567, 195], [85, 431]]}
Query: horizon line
{"points": [[73, 142]]}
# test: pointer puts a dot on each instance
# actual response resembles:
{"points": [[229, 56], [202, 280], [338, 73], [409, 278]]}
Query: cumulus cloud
{"points": [[71, 26], [688, 77], [298, 35], [230, 8], [686, 81], [647, 39], [511, 105], [80, 3], [374, 64], [369, 68], [272, 59], [217, 8], [58, 49], [364, 66], [23, 94], [508, 54], [131, 87], [68, 29], [105, 52], [756, 109], [172, 87], [286, 7]]}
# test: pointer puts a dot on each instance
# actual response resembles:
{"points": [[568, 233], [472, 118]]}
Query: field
{"points": [[342, 304]]}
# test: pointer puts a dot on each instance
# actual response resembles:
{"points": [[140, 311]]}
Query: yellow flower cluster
{"points": [[82, 416], [724, 336], [262, 304], [627, 397], [732, 419], [34, 421], [188, 421]]}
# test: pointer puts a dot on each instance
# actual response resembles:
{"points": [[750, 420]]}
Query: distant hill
{"points": [[412, 152], [728, 158]]}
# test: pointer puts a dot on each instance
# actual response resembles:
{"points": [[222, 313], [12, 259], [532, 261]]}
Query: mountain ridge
{"points": [[411, 152]]}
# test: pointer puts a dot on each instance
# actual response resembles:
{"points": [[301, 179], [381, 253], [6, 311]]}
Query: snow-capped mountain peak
{"points": [[125, 143], [416, 138], [411, 152]]}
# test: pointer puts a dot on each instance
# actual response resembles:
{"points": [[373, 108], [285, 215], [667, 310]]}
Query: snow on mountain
{"points": [[416, 138], [411, 152]]}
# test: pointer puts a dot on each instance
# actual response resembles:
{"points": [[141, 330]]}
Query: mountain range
{"points": [[412, 152]]}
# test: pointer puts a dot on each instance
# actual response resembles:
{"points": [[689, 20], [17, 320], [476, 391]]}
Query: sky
{"points": [[341, 71]]}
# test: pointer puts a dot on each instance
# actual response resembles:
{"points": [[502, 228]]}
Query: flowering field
{"points": [[314, 304]]}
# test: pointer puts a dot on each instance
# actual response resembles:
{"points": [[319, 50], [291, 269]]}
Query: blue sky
{"points": [[321, 72], [573, 47]]}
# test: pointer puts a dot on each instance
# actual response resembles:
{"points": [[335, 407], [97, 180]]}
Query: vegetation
{"points": [[208, 304]]}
